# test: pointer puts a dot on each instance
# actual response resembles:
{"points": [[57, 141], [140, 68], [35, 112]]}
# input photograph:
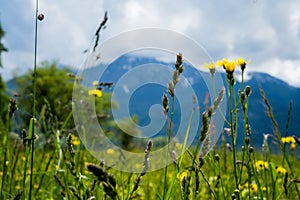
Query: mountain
{"points": [[143, 98], [278, 92]]}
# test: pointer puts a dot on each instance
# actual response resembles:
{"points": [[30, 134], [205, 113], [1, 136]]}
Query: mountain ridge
{"points": [[277, 91]]}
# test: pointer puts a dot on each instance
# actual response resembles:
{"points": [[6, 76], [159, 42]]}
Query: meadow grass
{"points": [[63, 169]]}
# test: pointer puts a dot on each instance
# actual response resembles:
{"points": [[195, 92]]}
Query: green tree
{"points": [[54, 94], [4, 98], [2, 47], [54, 104]]}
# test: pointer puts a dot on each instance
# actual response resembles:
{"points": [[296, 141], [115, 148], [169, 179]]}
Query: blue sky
{"points": [[267, 32]]}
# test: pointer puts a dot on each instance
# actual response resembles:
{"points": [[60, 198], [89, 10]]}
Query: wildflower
{"points": [[281, 170], [222, 63], [95, 83], [95, 92], [288, 139], [241, 62], [293, 146], [75, 140], [229, 66], [178, 145], [254, 187], [182, 175], [211, 66], [261, 165], [264, 189], [110, 151]]}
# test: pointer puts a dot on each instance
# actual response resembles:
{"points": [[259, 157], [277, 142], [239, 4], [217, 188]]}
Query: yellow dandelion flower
{"points": [[219, 63], [222, 63], [283, 140], [260, 165], [241, 62], [211, 66], [264, 189], [293, 146], [110, 151], [182, 175], [230, 66], [254, 187], [280, 170], [95, 92], [75, 140], [292, 140], [95, 83], [178, 145], [288, 139]]}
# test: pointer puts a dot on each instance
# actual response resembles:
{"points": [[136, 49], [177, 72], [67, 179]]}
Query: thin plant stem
{"points": [[207, 182], [233, 132], [286, 131], [34, 98], [215, 96], [222, 185], [245, 114], [168, 146]]}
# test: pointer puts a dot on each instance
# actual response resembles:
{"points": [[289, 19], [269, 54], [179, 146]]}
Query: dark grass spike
{"points": [[102, 26], [288, 118], [144, 170], [109, 190], [270, 114], [74, 191], [59, 181], [19, 195], [97, 171], [285, 182], [186, 187]]}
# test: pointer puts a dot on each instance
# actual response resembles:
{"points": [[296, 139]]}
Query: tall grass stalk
{"points": [[169, 192], [270, 114], [168, 146], [233, 133], [171, 90], [33, 129]]}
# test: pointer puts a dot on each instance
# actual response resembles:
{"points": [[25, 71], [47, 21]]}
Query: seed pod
{"points": [[217, 157], [165, 103], [41, 16], [248, 90]]}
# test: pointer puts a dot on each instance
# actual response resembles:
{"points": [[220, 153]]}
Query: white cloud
{"points": [[266, 32]]}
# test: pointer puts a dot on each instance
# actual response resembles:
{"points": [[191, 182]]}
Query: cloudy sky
{"points": [[267, 32]]}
